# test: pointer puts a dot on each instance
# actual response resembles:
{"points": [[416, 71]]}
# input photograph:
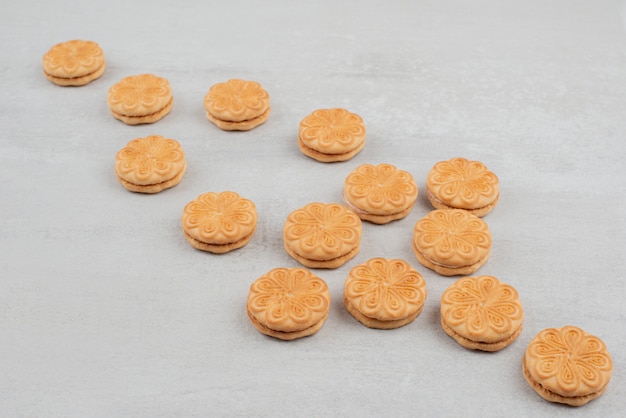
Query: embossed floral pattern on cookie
{"points": [[74, 58], [386, 290], [482, 309], [460, 183], [569, 361], [332, 131], [139, 95], [289, 299], [322, 230], [150, 160], [236, 100], [219, 217], [380, 189], [452, 237]]}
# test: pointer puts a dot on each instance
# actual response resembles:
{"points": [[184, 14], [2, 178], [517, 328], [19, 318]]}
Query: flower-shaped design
{"points": [[139, 95], [73, 59], [289, 299], [319, 230], [385, 289], [236, 100], [332, 131], [219, 217], [150, 160], [461, 183], [380, 189], [482, 309], [569, 361], [452, 237]]}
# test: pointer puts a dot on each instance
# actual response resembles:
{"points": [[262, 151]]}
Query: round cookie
{"points": [[321, 235], [451, 242], [74, 63], [462, 184], [384, 294], [219, 222], [288, 303], [567, 365], [150, 164], [481, 313], [381, 193], [139, 99], [237, 105], [331, 135]]}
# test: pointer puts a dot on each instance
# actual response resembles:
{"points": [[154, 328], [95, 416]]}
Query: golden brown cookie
{"points": [[462, 184], [219, 222], [384, 294], [138, 99], [481, 313], [330, 135], [74, 63], [567, 365], [288, 303], [380, 193], [237, 105], [150, 164], [451, 242], [321, 235]]}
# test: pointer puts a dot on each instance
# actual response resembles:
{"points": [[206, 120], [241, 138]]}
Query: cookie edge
{"points": [[479, 345], [156, 187]]}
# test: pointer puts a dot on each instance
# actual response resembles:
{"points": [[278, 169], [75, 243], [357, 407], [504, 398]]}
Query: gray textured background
{"points": [[105, 310]]}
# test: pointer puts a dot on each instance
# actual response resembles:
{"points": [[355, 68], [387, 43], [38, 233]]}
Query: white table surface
{"points": [[105, 309]]}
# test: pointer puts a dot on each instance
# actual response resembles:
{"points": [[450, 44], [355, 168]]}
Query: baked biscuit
{"points": [[481, 313], [330, 135], [451, 242], [150, 164], [462, 184], [138, 99], [384, 294], [237, 105], [381, 193], [74, 63], [321, 235], [567, 365], [288, 303], [219, 222]]}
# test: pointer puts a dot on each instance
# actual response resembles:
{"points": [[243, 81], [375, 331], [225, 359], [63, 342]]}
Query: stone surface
{"points": [[105, 310]]}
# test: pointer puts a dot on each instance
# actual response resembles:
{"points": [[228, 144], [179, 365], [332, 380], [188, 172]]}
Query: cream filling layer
{"points": [[442, 264], [352, 207], [360, 211], [435, 199]]}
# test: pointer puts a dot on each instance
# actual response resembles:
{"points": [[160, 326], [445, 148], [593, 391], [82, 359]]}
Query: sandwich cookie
{"points": [[237, 105], [321, 235], [288, 303], [330, 135], [138, 99], [462, 184], [451, 242], [567, 365], [380, 193], [384, 294], [481, 313], [150, 164], [219, 222], [74, 63]]}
